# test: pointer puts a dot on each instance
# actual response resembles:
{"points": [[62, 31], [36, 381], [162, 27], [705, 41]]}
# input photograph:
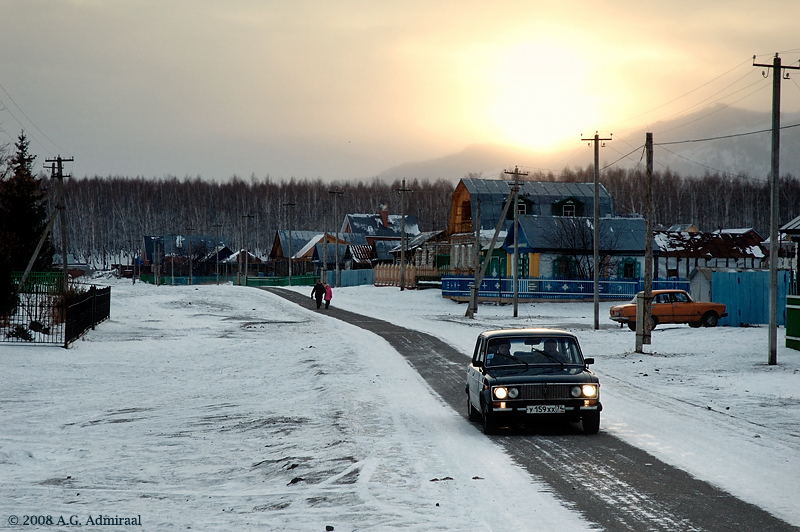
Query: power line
{"points": [[29, 120], [724, 136], [686, 94], [623, 157]]}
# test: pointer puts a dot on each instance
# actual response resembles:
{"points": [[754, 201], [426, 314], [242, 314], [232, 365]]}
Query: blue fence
{"points": [[746, 296], [352, 277], [544, 288]]}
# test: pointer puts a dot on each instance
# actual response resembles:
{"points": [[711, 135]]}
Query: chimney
{"points": [[384, 215]]}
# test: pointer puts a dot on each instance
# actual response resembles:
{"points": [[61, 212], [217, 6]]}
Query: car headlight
{"points": [[575, 391], [589, 390], [513, 393], [501, 393]]}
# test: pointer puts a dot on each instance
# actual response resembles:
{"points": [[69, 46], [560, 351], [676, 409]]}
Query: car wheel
{"points": [[695, 324], [710, 319], [632, 325], [472, 414], [591, 422], [489, 426]]}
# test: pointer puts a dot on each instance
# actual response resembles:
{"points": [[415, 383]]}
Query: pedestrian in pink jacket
{"points": [[328, 295]]}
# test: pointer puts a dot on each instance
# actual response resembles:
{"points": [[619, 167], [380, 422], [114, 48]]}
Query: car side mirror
{"points": [[587, 361], [477, 363]]}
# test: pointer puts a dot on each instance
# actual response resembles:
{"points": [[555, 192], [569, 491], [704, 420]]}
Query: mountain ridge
{"points": [[720, 139]]}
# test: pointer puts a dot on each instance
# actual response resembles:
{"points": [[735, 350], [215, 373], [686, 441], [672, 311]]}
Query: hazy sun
{"points": [[540, 97]]}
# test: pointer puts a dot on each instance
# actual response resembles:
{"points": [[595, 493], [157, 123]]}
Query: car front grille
{"points": [[541, 392]]}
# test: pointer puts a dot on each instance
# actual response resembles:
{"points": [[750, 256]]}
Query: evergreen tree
{"points": [[23, 218]]}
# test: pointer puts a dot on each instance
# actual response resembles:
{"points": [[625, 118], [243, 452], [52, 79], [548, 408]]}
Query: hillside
{"points": [[747, 155]]}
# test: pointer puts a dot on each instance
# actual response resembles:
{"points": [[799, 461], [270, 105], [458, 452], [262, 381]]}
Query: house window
{"points": [[629, 270], [522, 208], [568, 210]]}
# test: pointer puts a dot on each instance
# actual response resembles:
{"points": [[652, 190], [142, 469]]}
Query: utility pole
{"points": [[216, 227], [402, 190], [515, 191], [336, 194], [644, 337], [190, 229], [473, 307], [774, 237], [57, 168], [290, 204], [473, 300], [596, 223], [325, 251], [247, 218]]}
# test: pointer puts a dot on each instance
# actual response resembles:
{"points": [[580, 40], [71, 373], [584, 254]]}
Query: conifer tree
{"points": [[23, 218]]}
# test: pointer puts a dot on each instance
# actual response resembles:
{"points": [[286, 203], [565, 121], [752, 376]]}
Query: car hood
{"points": [[543, 373]]}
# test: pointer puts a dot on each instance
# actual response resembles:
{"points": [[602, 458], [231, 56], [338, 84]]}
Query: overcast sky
{"points": [[347, 89]]}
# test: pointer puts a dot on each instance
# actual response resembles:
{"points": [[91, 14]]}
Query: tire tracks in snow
{"points": [[611, 483]]}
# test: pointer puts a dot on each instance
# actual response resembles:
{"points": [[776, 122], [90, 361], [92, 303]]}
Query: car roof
{"points": [[507, 333]]}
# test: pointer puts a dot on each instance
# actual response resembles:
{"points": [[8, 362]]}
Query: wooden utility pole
{"points": [[290, 204], [191, 266], [247, 218], [216, 227], [473, 299], [402, 190], [57, 169], [473, 307], [336, 195], [515, 189], [774, 237], [596, 223], [644, 338]]}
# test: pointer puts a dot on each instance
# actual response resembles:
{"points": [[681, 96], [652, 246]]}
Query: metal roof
{"points": [[549, 233], [541, 195]]}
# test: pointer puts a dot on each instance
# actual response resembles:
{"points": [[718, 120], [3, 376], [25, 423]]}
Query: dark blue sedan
{"points": [[528, 375]]}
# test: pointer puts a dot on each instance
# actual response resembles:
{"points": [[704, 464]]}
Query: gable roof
{"points": [[539, 195], [552, 233]]}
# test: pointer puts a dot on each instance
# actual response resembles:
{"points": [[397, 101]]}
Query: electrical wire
{"points": [[683, 95], [724, 136], [623, 157], [30, 121]]}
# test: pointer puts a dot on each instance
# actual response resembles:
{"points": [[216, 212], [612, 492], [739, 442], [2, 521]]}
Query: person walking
{"points": [[328, 295], [318, 292]]}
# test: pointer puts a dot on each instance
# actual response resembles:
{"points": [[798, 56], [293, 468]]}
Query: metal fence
{"points": [[43, 315], [541, 288], [86, 310]]}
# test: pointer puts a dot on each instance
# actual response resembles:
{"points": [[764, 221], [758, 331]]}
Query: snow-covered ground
{"points": [[219, 408]]}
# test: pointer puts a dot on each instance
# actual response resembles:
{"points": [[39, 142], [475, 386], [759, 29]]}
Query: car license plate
{"points": [[546, 409]]}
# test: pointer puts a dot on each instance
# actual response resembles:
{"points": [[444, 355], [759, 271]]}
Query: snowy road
{"points": [[612, 483], [221, 408]]}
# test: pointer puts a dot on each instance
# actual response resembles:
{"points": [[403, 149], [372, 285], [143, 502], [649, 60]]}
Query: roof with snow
{"points": [[419, 240], [178, 245], [709, 245], [372, 225]]}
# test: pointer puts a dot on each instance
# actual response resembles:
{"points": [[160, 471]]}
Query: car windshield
{"points": [[533, 350]]}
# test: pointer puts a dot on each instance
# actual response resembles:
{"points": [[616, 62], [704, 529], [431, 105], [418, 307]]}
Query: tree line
{"points": [[107, 216]]}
